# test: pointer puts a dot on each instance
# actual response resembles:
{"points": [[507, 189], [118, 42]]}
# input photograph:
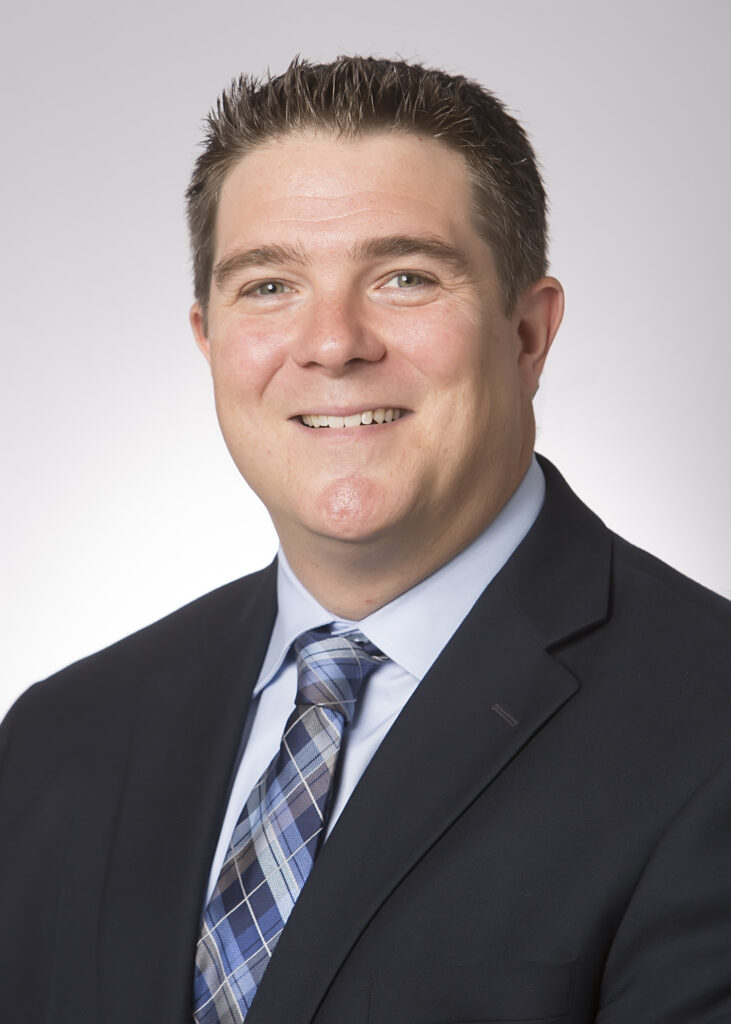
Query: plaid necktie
{"points": [[280, 829]]}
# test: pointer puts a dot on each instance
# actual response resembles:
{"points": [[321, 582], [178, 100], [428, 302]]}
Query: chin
{"points": [[352, 510]]}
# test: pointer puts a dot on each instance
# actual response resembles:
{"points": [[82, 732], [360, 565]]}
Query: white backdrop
{"points": [[119, 499]]}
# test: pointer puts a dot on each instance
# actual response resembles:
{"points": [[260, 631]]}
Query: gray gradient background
{"points": [[120, 502]]}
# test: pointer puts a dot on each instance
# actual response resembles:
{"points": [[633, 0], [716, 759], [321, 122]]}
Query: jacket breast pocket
{"points": [[497, 990]]}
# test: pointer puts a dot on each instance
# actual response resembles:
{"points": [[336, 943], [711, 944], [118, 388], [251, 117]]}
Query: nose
{"points": [[336, 336]]}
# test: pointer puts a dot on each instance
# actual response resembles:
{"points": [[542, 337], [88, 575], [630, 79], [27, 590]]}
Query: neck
{"points": [[351, 582]]}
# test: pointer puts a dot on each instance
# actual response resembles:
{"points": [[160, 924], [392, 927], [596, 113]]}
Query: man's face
{"points": [[350, 284]]}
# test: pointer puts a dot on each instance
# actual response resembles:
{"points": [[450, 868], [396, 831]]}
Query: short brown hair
{"points": [[355, 96]]}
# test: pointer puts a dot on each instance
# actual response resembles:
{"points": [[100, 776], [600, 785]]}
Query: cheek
{"points": [[245, 357], [444, 346]]}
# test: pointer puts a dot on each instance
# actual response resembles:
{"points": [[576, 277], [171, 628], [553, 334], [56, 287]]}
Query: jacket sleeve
{"points": [[33, 842], [670, 962]]}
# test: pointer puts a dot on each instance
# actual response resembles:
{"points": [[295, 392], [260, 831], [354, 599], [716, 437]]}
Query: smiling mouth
{"points": [[358, 419]]}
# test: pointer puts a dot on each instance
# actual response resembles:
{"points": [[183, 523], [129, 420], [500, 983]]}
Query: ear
{"points": [[538, 312], [198, 323]]}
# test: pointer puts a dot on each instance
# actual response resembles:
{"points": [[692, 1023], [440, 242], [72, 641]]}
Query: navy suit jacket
{"points": [[544, 834]]}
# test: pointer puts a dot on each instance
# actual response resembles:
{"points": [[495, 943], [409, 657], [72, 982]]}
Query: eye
{"points": [[408, 288], [266, 288], [406, 279]]}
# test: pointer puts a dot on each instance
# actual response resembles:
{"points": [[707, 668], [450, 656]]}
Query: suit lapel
{"points": [[186, 735], [494, 686], [440, 754]]}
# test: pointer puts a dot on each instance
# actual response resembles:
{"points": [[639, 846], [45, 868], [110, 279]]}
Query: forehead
{"points": [[322, 187]]}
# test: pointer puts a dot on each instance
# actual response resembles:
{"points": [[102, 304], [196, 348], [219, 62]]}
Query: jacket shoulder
{"points": [[680, 597], [187, 635]]}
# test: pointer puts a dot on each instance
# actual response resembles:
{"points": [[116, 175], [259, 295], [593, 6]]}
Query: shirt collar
{"points": [[415, 627]]}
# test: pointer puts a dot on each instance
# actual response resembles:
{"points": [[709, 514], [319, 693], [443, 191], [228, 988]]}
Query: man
{"points": [[461, 753]]}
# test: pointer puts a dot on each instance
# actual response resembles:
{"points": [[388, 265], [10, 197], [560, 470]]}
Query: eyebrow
{"points": [[411, 245], [262, 255], [371, 248]]}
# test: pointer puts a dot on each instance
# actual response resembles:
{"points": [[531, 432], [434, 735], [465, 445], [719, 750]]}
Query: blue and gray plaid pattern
{"points": [[280, 829]]}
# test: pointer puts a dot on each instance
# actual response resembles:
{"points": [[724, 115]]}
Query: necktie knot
{"points": [[331, 669]]}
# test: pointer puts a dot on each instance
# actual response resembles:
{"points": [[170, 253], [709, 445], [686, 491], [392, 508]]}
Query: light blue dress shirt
{"points": [[412, 630]]}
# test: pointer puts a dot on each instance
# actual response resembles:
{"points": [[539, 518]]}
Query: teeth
{"points": [[314, 419]]}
